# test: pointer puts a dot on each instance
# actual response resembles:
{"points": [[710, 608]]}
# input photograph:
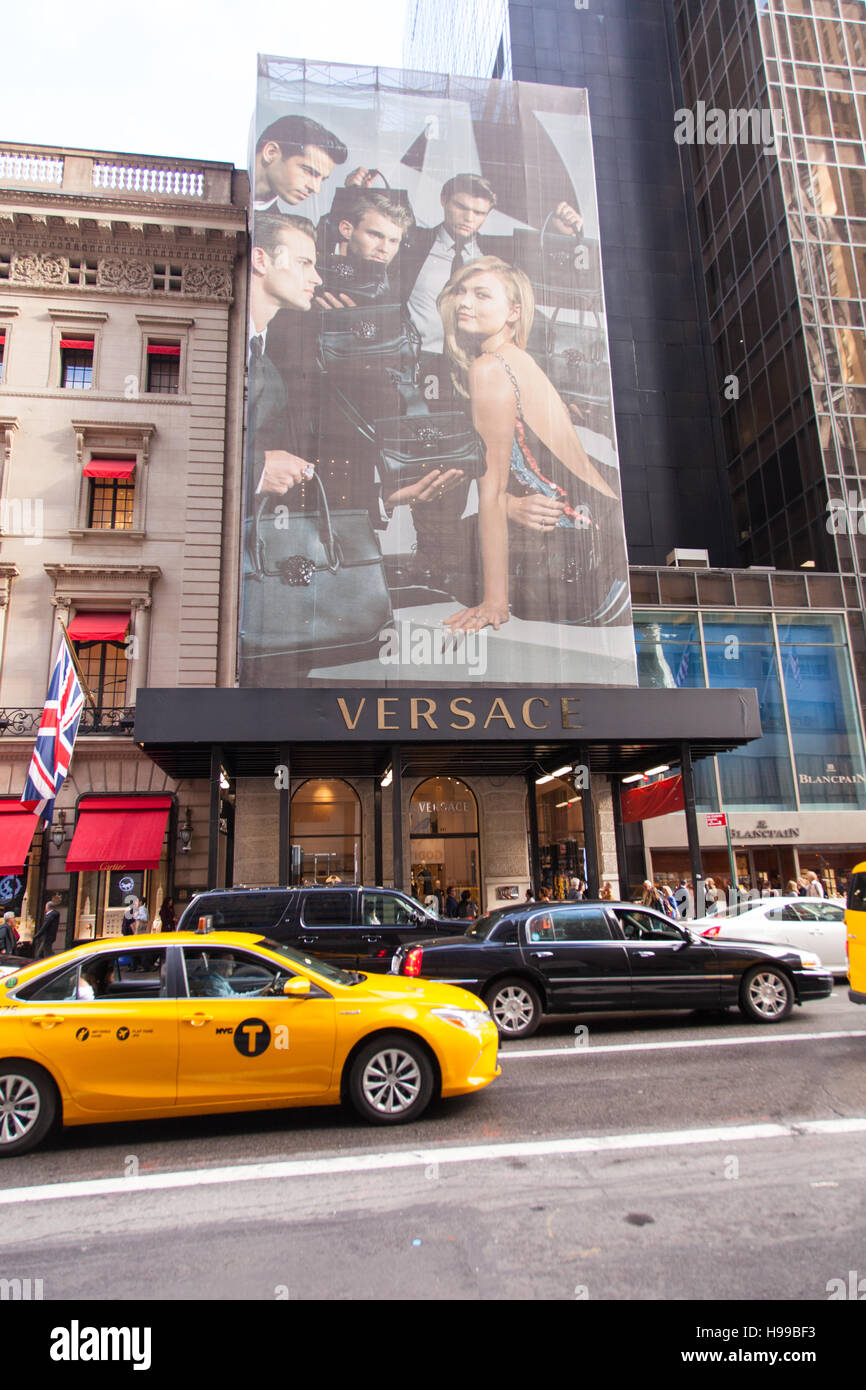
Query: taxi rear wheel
{"points": [[391, 1081], [28, 1106]]}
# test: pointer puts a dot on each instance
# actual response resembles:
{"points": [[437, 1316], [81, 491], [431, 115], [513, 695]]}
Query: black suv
{"points": [[354, 927]]}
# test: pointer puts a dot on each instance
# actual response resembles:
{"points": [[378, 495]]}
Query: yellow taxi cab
{"points": [[855, 930], [127, 1028]]}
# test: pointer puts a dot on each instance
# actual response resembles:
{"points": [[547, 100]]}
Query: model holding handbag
{"points": [[538, 477]]}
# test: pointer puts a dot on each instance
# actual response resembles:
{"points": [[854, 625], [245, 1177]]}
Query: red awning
{"points": [[98, 627], [85, 343], [118, 832], [17, 828], [163, 350], [658, 799], [109, 468]]}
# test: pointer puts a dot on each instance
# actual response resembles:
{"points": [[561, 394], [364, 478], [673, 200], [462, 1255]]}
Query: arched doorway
{"points": [[326, 832], [443, 838]]}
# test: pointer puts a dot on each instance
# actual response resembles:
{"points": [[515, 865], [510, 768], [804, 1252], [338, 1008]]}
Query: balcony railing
{"points": [[30, 168], [18, 722]]}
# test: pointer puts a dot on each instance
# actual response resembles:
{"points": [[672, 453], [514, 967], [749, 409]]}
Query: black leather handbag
{"points": [[317, 581], [564, 271], [373, 339], [361, 280], [411, 446], [578, 367]]}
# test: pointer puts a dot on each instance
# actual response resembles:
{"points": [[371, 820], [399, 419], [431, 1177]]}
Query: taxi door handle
{"points": [[646, 953], [47, 1020], [541, 955], [198, 1019], [308, 940]]}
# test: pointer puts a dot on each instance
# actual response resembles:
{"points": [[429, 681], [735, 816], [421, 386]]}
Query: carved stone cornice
{"points": [[107, 583], [88, 431], [205, 274]]}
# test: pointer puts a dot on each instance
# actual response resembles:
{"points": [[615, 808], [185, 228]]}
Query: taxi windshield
{"points": [[327, 972]]}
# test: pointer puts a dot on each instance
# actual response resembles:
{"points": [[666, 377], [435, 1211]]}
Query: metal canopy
{"points": [[619, 730]]}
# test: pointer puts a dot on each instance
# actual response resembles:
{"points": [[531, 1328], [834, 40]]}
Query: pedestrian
{"points": [[669, 902], [791, 889], [606, 894], [530, 896], [8, 934], [544, 894], [451, 903], [467, 907], [814, 886], [650, 896], [802, 886], [440, 896], [43, 941], [142, 921], [167, 913], [127, 926], [431, 902], [711, 897]]}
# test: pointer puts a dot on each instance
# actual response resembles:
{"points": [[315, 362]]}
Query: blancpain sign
{"points": [[764, 832], [834, 779]]}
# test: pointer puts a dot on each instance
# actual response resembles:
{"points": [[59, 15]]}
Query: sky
{"points": [[174, 78]]}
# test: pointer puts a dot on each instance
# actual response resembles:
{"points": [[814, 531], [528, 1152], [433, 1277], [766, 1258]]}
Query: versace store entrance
{"points": [[494, 791]]}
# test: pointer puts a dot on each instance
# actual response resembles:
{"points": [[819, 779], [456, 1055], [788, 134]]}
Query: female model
{"points": [[538, 477]]}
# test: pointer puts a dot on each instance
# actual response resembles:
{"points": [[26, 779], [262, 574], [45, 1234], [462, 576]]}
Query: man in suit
{"points": [[294, 156], [283, 266], [368, 234], [43, 941]]}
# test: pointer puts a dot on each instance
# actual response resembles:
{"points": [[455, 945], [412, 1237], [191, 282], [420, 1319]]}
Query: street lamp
{"points": [[58, 833]]}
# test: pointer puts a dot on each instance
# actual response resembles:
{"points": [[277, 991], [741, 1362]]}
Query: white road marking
{"points": [[589, 1049], [472, 1153]]}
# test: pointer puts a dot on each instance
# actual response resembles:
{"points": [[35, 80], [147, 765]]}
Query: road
{"points": [[670, 1156]]}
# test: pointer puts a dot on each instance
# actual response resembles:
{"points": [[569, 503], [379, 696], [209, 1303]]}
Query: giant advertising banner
{"points": [[431, 485]]}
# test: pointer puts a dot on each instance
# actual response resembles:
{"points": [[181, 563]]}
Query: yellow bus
{"points": [[855, 927]]}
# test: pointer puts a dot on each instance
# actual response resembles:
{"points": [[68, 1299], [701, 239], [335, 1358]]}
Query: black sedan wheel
{"points": [[391, 1080], [28, 1105], [516, 1008], [766, 995]]}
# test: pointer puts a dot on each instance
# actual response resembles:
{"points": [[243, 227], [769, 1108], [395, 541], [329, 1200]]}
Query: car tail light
{"points": [[412, 965], [711, 931]]}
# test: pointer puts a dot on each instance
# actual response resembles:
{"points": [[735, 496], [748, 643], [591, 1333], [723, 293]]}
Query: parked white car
{"points": [[809, 924]]}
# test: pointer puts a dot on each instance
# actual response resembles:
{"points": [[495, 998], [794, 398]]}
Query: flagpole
{"points": [[74, 659]]}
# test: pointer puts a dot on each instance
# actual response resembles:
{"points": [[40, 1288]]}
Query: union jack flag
{"points": [[54, 742]]}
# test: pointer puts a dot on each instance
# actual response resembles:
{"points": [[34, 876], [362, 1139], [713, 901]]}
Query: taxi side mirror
{"points": [[296, 987]]}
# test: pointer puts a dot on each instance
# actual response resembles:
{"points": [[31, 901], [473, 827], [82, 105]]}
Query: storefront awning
{"points": [[17, 827], [118, 832], [98, 627], [658, 799], [109, 468]]}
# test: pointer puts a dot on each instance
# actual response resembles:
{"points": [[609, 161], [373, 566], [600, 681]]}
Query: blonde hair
{"points": [[519, 292]]}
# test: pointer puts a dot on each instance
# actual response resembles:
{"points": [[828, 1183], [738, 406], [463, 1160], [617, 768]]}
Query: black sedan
{"points": [[553, 958]]}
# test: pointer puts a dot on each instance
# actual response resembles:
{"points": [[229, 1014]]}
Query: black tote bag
{"points": [[317, 581]]}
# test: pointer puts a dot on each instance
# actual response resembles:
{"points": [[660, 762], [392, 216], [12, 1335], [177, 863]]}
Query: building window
{"points": [[82, 271], [167, 277], [443, 838], [105, 667], [111, 505], [163, 368], [76, 363]]}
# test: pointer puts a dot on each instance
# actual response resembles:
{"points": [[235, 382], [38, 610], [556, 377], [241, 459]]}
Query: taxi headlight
{"points": [[470, 1020]]}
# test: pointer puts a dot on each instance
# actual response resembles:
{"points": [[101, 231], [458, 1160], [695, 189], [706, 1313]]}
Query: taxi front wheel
{"points": [[28, 1105], [391, 1080]]}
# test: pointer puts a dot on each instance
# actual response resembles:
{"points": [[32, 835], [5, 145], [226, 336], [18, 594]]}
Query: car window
{"points": [[830, 912], [573, 924], [388, 910], [505, 933], [125, 974], [237, 911], [221, 972], [789, 913], [327, 909], [642, 926]]}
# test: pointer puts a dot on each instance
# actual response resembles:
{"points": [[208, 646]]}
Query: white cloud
{"points": [[174, 78]]}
